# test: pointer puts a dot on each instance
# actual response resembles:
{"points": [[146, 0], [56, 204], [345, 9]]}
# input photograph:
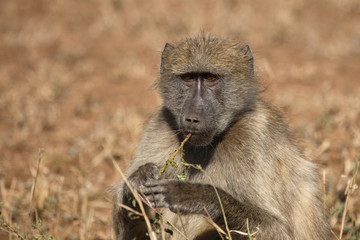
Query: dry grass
{"points": [[75, 80]]}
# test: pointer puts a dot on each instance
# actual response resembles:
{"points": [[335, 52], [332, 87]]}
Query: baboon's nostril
{"points": [[192, 120]]}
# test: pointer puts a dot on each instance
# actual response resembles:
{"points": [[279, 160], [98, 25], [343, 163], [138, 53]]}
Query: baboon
{"points": [[209, 89]]}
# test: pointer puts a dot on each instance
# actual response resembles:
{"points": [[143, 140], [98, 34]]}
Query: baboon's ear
{"points": [[167, 48], [246, 50], [249, 56]]}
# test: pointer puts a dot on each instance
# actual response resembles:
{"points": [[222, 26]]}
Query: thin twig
{"points": [[136, 195], [248, 229], [9, 229], [248, 233], [324, 190], [348, 192], [211, 221], [162, 229], [337, 238], [178, 230], [129, 209], [147, 202], [217, 195], [181, 221], [125, 207], [222, 209], [173, 154]]}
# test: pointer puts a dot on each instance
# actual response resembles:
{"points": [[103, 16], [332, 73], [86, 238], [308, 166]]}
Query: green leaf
{"points": [[181, 177]]}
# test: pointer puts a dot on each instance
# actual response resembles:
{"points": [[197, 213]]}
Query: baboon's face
{"points": [[198, 115], [205, 83]]}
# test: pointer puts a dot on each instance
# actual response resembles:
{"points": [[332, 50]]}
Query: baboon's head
{"points": [[206, 83]]}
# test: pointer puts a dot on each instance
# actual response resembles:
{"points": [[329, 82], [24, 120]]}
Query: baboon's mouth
{"points": [[194, 133], [199, 138]]}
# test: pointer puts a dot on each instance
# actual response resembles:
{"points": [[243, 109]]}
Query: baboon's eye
{"points": [[211, 80], [186, 77], [211, 77]]}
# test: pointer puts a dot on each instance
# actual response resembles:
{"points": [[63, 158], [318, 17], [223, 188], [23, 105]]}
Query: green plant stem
{"points": [[217, 195], [8, 228], [248, 229], [173, 154]]}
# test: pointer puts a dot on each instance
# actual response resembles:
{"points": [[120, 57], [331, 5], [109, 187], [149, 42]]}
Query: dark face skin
{"points": [[205, 86], [197, 114]]}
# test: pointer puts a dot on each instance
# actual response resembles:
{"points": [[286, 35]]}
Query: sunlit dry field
{"points": [[76, 88]]}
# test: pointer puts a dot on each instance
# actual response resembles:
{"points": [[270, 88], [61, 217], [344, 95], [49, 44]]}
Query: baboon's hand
{"points": [[173, 194], [146, 172]]}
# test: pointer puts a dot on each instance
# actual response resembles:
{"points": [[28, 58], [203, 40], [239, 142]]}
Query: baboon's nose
{"points": [[192, 120]]}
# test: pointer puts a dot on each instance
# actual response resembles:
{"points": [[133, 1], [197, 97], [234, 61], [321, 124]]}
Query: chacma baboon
{"points": [[209, 89]]}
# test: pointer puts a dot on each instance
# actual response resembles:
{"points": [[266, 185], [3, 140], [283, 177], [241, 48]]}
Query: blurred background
{"points": [[76, 90]]}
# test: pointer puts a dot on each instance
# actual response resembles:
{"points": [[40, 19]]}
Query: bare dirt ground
{"points": [[76, 89]]}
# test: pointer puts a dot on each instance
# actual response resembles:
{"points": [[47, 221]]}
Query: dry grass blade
{"points": [[251, 235], [138, 199], [222, 209], [336, 237], [217, 195], [178, 230], [324, 190], [217, 227], [32, 204], [125, 207], [348, 192], [246, 234], [181, 221]]}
